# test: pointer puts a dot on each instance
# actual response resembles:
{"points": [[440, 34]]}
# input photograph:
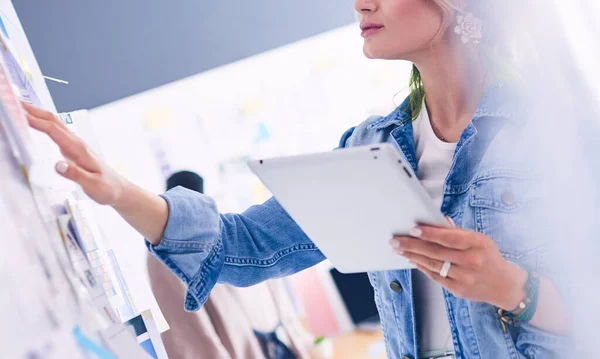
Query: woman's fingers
{"points": [[70, 170], [43, 115], [432, 250], [97, 181], [448, 282], [453, 238], [434, 265], [70, 145]]}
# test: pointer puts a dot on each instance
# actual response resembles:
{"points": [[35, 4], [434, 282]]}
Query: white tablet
{"points": [[350, 202]]}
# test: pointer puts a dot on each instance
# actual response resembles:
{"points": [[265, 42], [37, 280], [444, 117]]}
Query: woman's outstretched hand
{"points": [[144, 211], [100, 183]]}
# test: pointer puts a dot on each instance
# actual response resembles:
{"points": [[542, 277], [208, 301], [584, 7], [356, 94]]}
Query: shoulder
{"points": [[374, 124]]}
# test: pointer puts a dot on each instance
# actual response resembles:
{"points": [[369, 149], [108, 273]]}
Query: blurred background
{"points": [[205, 86]]}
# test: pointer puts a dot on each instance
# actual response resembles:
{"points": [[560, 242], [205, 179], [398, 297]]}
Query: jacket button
{"points": [[396, 286], [508, 198], [405, 357]]}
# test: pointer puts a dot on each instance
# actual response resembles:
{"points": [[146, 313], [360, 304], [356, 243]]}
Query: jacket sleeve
{"points": [[203, 247], [344, 140]]}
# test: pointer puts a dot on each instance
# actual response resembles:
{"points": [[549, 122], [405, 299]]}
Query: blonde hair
{"points": [[448, 10]]}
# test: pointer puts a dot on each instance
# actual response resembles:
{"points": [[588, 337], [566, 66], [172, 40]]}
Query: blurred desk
{"points": [[359, 345]]}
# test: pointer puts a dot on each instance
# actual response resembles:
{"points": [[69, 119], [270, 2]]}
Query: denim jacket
{"points": [[486, 190]]}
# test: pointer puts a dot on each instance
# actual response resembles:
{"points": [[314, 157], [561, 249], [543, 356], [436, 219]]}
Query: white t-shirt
{"points": [[434, 158]]}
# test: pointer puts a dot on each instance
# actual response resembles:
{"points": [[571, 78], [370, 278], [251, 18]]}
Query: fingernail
{"points": [[415, 232], [62, 167], [395, 243]]}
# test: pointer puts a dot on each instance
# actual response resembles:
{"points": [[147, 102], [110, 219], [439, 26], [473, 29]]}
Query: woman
{"points": [[483, 289]]}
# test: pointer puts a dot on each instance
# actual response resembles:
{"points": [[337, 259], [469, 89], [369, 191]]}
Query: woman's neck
{"points": [[454, 84]]}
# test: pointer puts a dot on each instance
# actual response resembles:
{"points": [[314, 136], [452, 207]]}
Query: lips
{"points": [[369, 28]]}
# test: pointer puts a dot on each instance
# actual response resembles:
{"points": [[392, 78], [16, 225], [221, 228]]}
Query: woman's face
{"points": [[398, 29]]}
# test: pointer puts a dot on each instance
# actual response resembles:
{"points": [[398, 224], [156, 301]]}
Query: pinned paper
{"points": [[26, 69], [90, 346], [128, 308], [17, 73], [158, 119], [147, 335], [3, 28], [259, 193], [322, 63], [252, 106], [263, 133], [14, 124]]}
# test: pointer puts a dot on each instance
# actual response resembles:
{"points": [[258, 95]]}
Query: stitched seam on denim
{"points": [[498, 205], [383, 124], [533, 351], [377, 123], [406, 154], [487, 175], [199, 280], [386, 338], [485, 113], [478, 220], [176, 244], [453, 327], [454, 162], [473, 332], [385, 120], [455, 190], [239, 261], [535, 338], [512, 349], [508, 173], [492, 203], [519, 256], [398, 117], [398, 121], [409, 280]]}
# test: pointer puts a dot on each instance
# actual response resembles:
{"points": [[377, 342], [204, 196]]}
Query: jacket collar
{"points": [[498, 101]]}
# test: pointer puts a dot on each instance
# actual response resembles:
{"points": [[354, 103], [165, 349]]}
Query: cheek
{"points": [[413, 24]]}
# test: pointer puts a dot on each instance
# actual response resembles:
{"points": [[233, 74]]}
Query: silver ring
{"points": [[445, 269]]}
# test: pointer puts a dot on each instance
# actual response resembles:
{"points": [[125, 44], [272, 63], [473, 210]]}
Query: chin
{"points": [[372, 52]]}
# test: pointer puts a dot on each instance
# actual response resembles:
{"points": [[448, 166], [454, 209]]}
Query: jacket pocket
{"points": [[507, 208]]}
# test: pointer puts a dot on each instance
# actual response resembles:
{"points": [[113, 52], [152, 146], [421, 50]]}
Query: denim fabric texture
{"points": [[485, 191]]}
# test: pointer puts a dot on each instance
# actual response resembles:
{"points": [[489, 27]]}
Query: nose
{"points": [[365, 6]]}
